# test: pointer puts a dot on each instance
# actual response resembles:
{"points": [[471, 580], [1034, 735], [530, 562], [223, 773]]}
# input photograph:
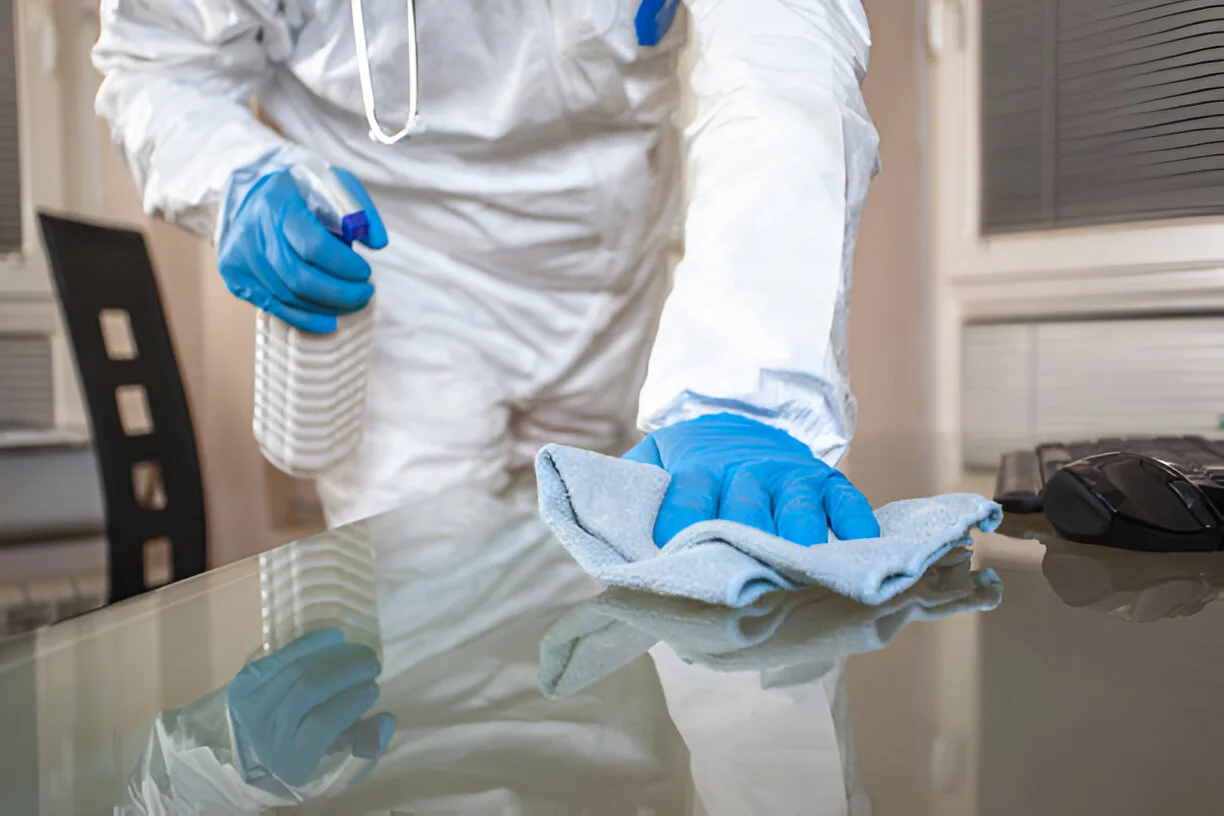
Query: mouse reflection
{"points": [[1138, 587]]}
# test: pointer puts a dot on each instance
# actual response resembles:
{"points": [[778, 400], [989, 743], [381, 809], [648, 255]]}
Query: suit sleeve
{"points": [[179, 80], [779, 158]]}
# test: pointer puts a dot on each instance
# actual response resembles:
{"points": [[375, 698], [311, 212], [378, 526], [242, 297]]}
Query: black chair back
{"points": [[142, 431]]}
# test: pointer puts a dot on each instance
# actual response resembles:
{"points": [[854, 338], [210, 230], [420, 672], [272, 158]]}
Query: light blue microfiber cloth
{"points": [[603, 510], [810, 627]]}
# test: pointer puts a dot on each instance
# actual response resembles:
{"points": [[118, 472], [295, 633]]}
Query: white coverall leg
{"points": [[531, 222]]}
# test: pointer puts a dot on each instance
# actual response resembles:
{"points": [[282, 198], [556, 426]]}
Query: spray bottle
{"points": [[310, 388]]}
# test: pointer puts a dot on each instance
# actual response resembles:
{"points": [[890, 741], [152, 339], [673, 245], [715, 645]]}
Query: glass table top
{"points": [[451, 658]]}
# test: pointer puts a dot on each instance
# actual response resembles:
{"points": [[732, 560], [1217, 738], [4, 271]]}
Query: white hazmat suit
{"points": [[533, 219]]}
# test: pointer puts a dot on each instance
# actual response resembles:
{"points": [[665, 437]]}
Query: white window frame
{"points": [[40, 133], [1151, 267], [54, 100]]}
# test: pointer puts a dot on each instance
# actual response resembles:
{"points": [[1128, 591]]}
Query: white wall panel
{"points": [[997, 398], [1031, 382], [1130, 376]]}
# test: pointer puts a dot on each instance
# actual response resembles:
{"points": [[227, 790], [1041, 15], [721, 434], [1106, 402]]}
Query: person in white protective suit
{"points": [[466, 588], [529, 219]]}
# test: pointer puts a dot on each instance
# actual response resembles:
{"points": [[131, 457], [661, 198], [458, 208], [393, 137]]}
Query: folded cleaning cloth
{"points": [[603, 510], [811, 627]]}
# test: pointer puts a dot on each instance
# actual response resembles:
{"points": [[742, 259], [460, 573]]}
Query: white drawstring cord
{"points": [[367, 84]]}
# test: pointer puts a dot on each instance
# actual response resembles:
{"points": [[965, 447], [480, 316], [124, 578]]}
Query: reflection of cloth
{"points": [[603, 510], [775, 634]]}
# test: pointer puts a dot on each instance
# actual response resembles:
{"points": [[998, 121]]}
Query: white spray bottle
{"points": [[310, 388]]}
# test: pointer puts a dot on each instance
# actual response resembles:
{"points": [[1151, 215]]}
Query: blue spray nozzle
{"points": [[354, 227], [331, 203]]}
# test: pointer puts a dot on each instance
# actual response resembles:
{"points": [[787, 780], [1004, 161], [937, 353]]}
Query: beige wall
{"points": [[890, 352]]}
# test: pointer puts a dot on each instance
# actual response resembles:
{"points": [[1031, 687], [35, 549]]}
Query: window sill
{"points": [[67, 436], [1133, 269], [27, 312], [1149, 289], [23, 277]]}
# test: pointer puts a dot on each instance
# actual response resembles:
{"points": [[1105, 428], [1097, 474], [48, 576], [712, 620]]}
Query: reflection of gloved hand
{"points": [[294, 705], [734, 468], [276, 254]]}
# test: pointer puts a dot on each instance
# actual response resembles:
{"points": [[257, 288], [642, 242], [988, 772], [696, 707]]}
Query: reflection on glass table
{"points": [[410, 679], [781, 632], [1140, 587], [509, 682]]}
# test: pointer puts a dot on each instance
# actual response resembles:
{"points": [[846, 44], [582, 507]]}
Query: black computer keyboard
{"points": [[1023, 474]]}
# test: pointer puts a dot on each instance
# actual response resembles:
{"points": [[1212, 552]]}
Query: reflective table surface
{"points": [[451, 658]]}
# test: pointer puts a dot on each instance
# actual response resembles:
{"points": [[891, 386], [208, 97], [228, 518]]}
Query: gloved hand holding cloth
{"points": [[729, 467], [723, 510]]}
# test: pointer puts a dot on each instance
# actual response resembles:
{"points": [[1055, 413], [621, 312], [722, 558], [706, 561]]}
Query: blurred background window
{"points": [[1100, 111]]}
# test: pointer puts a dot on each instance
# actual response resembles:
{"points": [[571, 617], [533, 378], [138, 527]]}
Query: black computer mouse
{"points": [[1135, 502]]}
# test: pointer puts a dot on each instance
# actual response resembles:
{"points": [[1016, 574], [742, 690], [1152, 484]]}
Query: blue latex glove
{"points": [[725, 466], [276, 254], [295, 705]]}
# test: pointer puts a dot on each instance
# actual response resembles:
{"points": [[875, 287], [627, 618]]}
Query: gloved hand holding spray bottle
{"points": [[288, 249]]}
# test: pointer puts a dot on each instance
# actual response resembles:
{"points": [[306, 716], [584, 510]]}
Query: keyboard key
{"points": [[1018, 485], [1052, 458], [1081, 449]]}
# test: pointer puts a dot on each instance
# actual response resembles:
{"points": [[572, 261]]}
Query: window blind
{"points": [[27, 389], [1101, 111]]}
